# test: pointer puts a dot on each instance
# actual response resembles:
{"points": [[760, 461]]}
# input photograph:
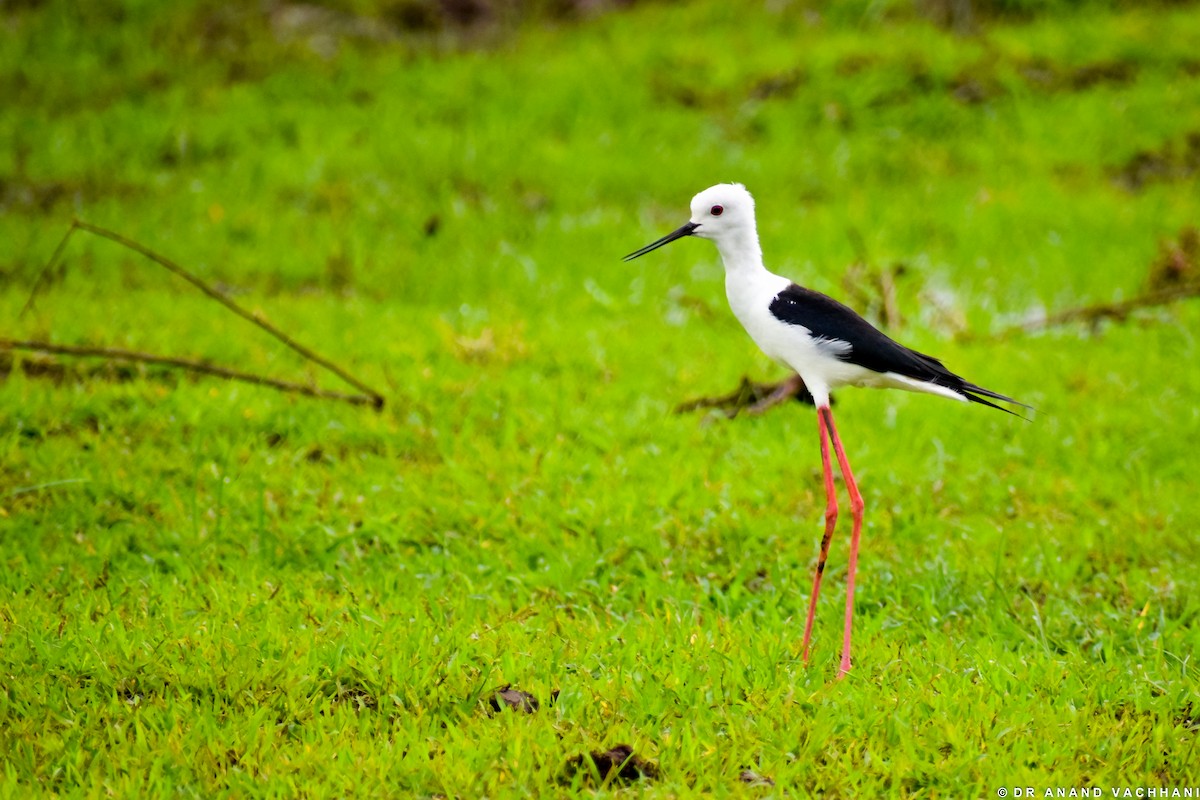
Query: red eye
{"points": [[716, 211]]}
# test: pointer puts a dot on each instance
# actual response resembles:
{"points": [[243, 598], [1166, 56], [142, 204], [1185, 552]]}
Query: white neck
{"points": [[741, 253], [749, 285]]}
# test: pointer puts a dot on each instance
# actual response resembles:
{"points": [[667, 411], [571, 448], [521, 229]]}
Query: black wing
{"points": [[826, 318]]}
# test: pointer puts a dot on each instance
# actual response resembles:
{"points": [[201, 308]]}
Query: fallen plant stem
{"points": [[117, 354], [1098, 312], [45, 273], [748, 394], [368, 397]]}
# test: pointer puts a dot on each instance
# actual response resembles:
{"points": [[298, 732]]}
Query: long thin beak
{"points": [[686, 230]]}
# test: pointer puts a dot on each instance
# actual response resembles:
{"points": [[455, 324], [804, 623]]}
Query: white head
{"points": [[723, 213], [722, 209]]}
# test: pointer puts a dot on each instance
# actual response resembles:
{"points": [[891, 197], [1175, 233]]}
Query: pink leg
{"points": [[856, 510], [831, 515]]}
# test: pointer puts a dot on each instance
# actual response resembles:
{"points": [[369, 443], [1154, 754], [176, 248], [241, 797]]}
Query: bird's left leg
{"points": [[831, 515], [856, 510]]}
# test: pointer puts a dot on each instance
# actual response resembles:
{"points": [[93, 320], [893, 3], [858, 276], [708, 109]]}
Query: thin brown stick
{"points": [[748, 394], [187, 364], [45, 273]]}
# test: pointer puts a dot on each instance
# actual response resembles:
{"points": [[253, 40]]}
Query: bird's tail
{"points": [[976, 394]]}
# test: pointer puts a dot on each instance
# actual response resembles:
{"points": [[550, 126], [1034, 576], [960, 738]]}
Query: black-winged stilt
{"points": [[825, 343]]}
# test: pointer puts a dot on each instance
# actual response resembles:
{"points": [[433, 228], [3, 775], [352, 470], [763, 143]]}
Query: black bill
{"points": [[686, 230]]}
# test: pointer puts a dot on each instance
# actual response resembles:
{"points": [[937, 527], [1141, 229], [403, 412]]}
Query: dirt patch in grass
{"points": [[59, 372], [1178, 262], [752, 778], [781, 84], [992, 78], [1171, 161], [352, 694], [1189, 718], [44, 196], [617, 763], [508, 697]]}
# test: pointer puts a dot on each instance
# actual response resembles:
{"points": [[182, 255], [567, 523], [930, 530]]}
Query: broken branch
{"points": [[1099, 312]]}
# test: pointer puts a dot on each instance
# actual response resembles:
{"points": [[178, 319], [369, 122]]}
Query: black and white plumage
{"points": [[849, 337], [827, 344]]}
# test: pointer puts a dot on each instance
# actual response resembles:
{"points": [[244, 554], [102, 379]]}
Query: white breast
{"points": [[750, 298]]}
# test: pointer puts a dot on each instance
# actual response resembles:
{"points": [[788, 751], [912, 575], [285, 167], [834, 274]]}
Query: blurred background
{"points": [[434, 151]]}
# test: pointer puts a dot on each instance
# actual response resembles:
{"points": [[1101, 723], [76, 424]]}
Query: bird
{"points": [[826, 345]]}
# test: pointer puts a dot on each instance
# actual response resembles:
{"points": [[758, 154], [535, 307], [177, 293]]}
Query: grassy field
{"points": [[214, 589]]}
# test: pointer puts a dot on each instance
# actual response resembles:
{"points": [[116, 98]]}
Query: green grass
{"points": [[211, 589]]}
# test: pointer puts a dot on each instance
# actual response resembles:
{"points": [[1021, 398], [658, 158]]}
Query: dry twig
{"points": [[749, 395], [1095, 314], [116, 354]]}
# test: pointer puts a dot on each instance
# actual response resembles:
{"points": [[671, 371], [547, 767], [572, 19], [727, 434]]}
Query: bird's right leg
{"points": [[856, 511], [831, 515]]}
